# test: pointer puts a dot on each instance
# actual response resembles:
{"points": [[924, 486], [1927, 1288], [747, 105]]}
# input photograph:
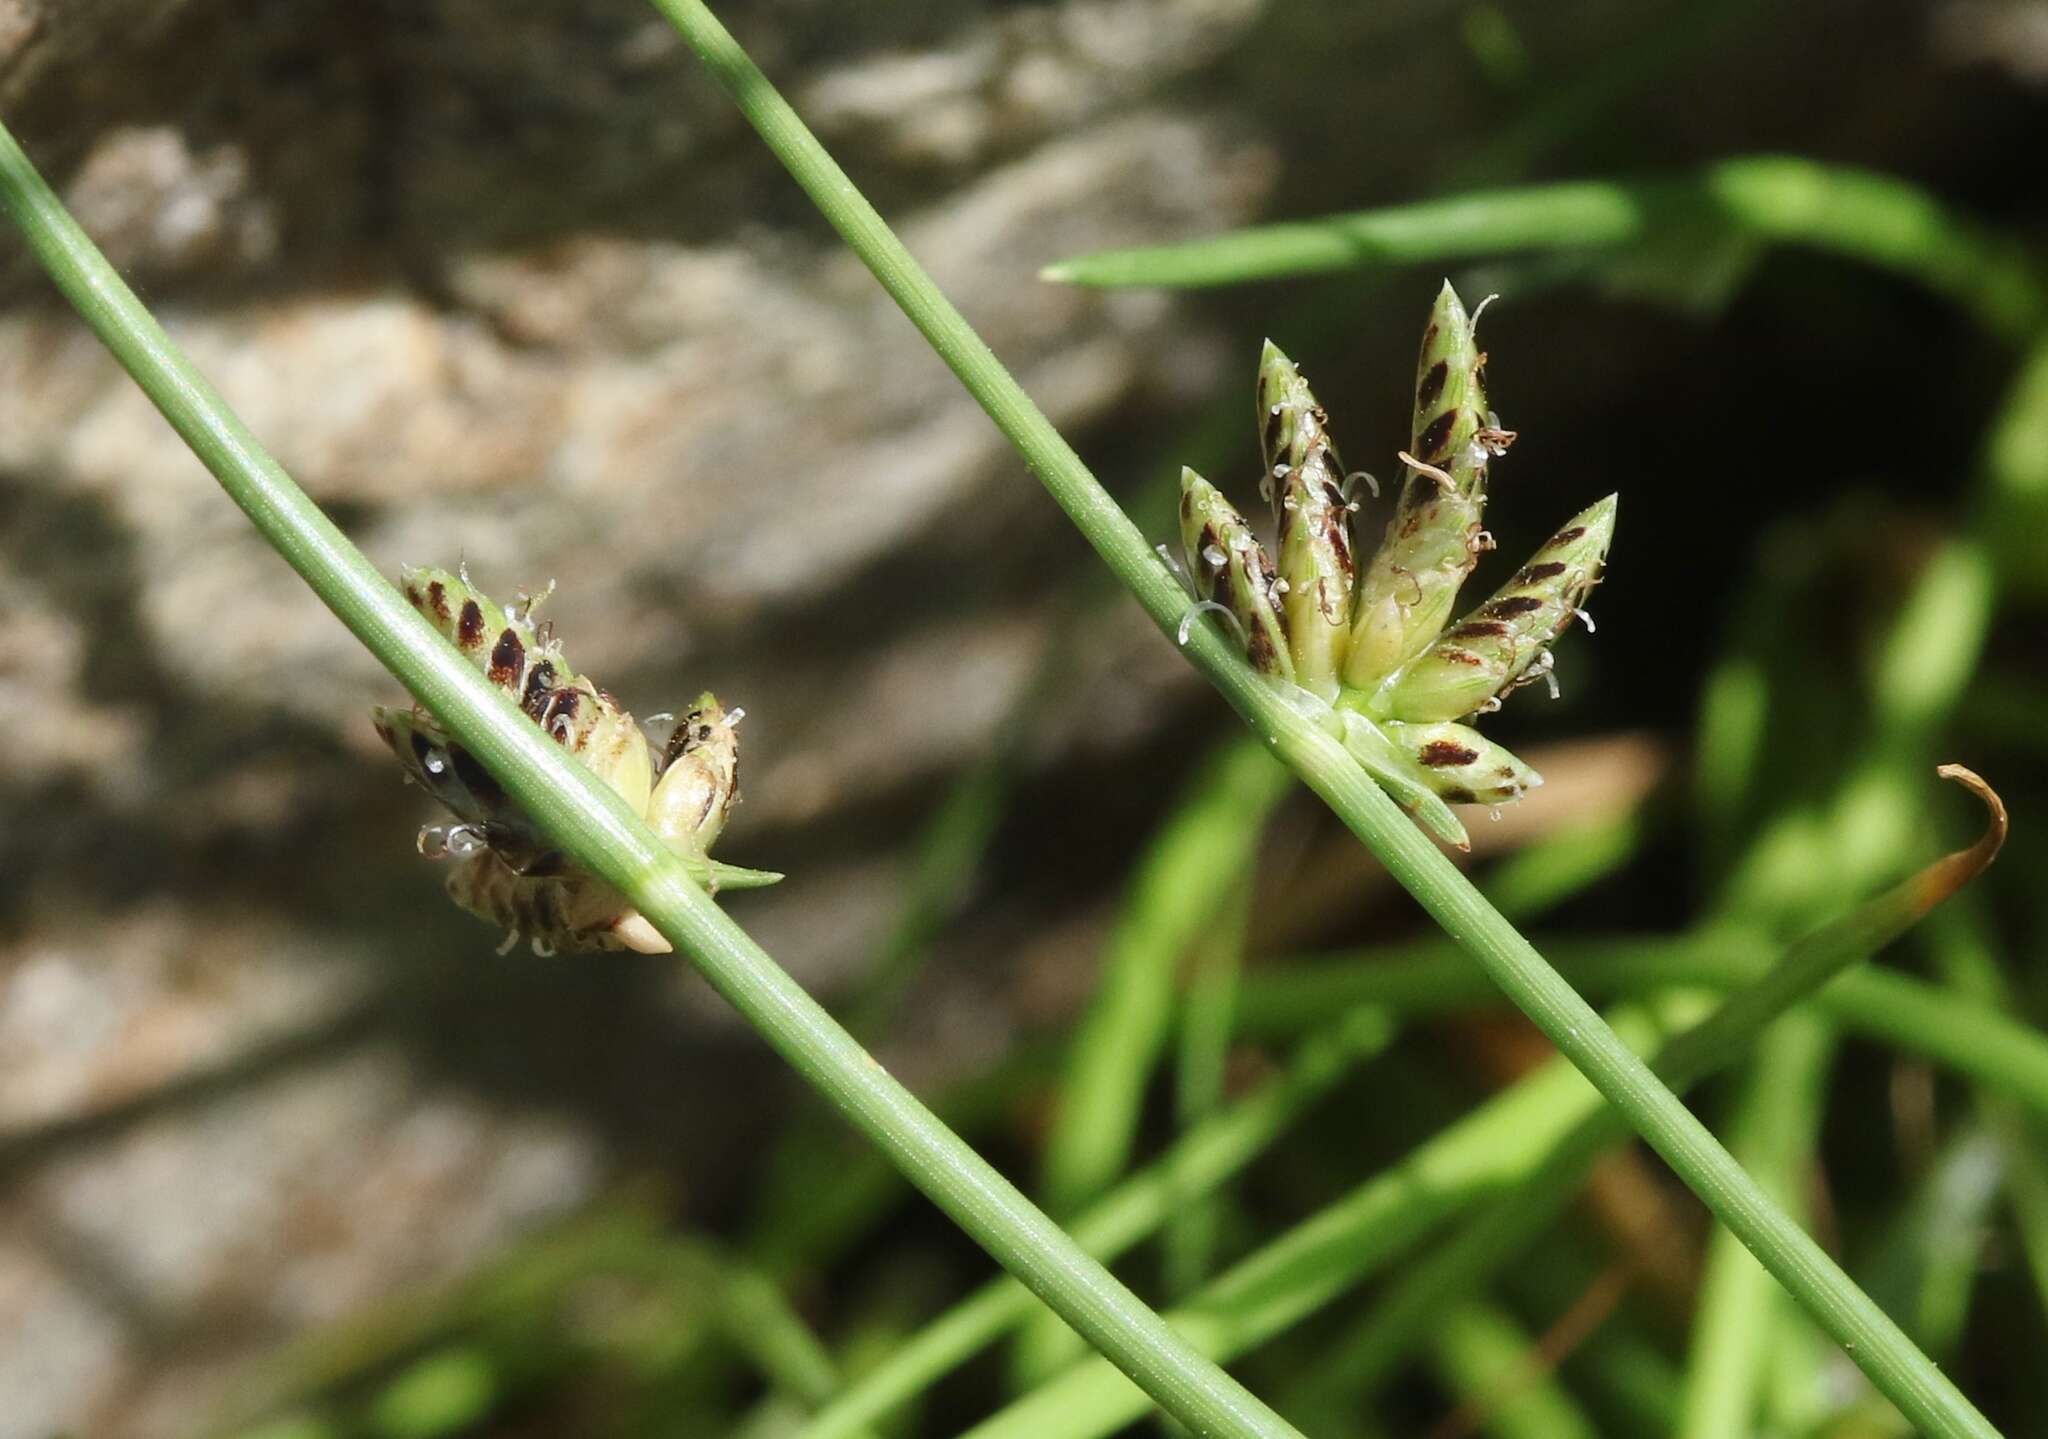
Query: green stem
{"points": [[1497, 1227], [1516, 1160], [1205, 845], [1202, 1159], [1507, 1226], [1208, 1017], [1965, 957], [1484, 1354], [1895, 1365], [1776, 198], [1491, 1151], [1735, 1328], [587, 819], [1980, 1041], [1209, 840]]}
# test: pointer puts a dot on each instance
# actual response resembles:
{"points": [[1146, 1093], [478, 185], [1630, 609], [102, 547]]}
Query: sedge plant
{"points": [[1517, 1159], [1321, 759], [1767, 199], [595, 826]]}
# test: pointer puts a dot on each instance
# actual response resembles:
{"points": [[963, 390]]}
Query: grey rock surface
{"points": [[498, 282]]}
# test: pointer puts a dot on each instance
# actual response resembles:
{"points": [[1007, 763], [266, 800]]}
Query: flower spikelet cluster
{"points": [[1372, 650], [502, 868]]}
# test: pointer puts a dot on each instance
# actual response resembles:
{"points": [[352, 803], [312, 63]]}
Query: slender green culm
{"points": [[1486, 1152], [1783, 199], [1201, 851], [1482, 1350], [596, 828], [1735, 1327], [1516, 1160], [1976, 1040], [1201, 1064], [1922, 1392], [1137, 1207], [1204, 847]]}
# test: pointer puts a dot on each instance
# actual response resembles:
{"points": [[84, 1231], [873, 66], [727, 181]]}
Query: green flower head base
{"points": [[1373, 655], [503, 869]]}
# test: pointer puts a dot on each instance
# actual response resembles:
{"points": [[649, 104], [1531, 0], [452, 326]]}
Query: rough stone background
{"points": [[508, 280]]}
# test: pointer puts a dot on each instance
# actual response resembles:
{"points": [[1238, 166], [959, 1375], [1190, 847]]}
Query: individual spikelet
{"points": [[1315, 567], [1462, 765], [700, 778], [1434, 537], [1506, 641], [1232, 571]]}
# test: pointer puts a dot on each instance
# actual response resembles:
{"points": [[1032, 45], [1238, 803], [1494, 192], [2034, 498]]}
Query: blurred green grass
{"points": [[1871, 623]]}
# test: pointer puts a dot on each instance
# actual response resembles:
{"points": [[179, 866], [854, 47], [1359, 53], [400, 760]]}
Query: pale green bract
{"points": [[1372, 658]]}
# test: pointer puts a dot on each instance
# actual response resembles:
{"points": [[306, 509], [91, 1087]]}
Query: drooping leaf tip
{"points": [[1998, 823]]}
